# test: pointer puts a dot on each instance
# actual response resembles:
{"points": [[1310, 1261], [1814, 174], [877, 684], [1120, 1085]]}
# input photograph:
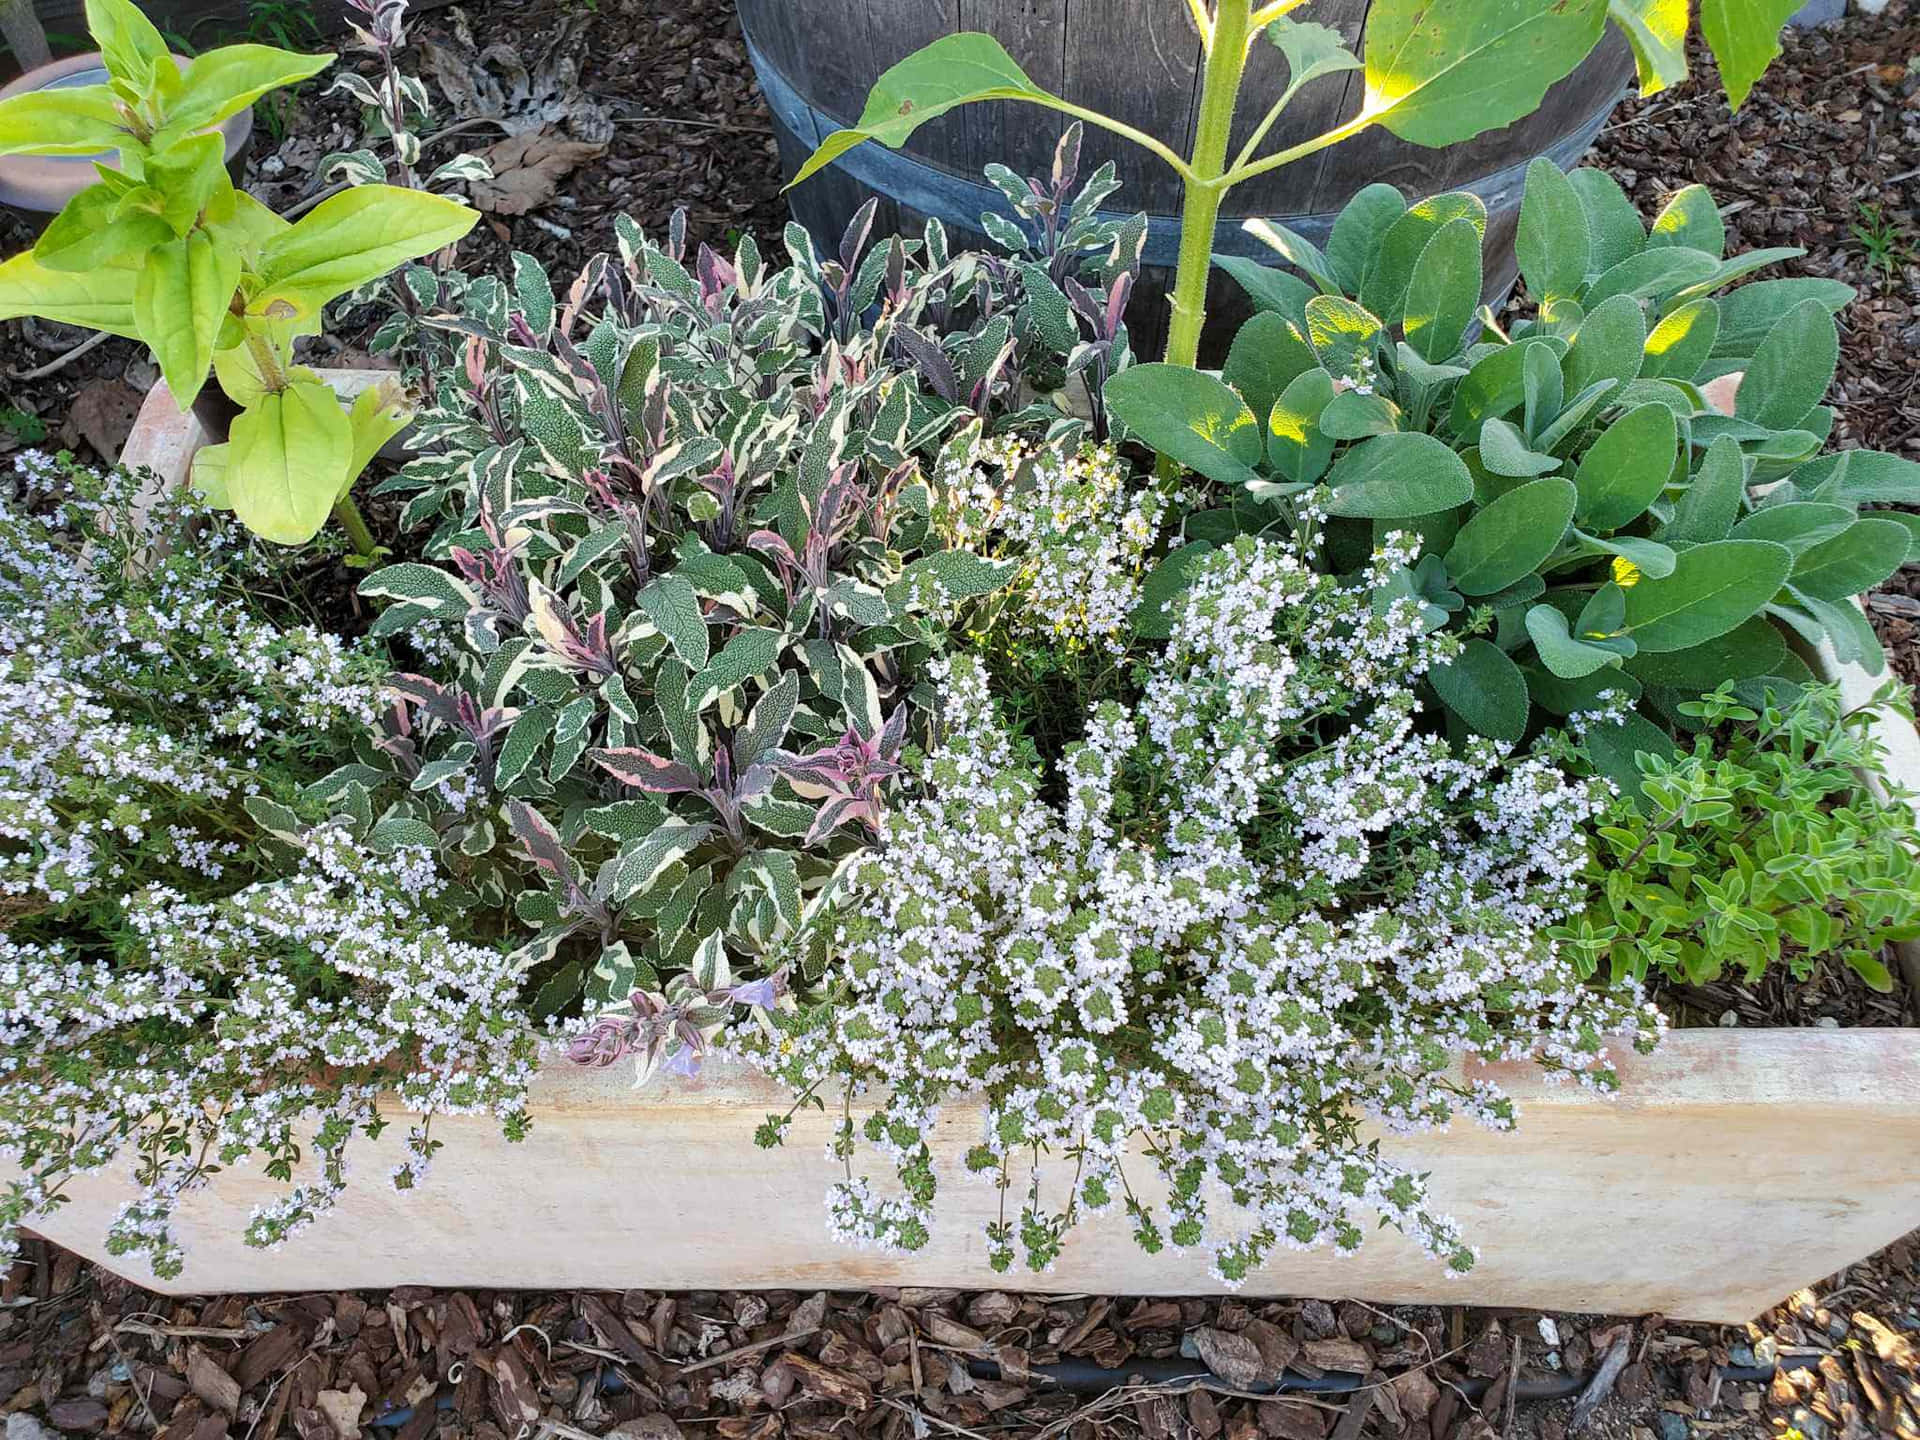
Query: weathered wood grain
{"points": [[1735, 1167]]}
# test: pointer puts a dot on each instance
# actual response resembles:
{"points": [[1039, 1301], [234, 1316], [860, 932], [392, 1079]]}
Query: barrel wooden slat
{"points": [[895, 29], [1035, 34], [1140, 63]]}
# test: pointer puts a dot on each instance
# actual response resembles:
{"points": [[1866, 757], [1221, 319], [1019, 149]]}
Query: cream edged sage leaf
{"points": [[286, 455]]}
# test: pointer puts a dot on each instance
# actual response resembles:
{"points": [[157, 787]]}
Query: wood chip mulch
{"points": [[84, 1354]]}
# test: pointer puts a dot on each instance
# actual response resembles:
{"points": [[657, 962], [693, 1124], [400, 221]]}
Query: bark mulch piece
{"points": [[83, 1354]]}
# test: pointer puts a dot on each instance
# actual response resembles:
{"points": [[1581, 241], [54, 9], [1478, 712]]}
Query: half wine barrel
{"points": [[1138, 60]]}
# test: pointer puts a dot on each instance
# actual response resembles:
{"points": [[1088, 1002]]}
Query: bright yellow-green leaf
{"points": [[96, 299], [210, 475], [1439, 74], [285, 460], [182, 293], [355, 237], [379, 413], [86, 234], [247, 225], [1657, 31], [226, 81], [81, 121], [189, 177], [128, 43], [954, 70], [1744, 36]]}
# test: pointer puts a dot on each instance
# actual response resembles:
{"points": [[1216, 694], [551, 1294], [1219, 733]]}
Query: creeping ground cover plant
{"points": [[1251, 906], [204, 964]]}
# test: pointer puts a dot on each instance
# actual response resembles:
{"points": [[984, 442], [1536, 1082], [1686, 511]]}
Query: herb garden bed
{"points": [[871, 670], [1676, 1196]]}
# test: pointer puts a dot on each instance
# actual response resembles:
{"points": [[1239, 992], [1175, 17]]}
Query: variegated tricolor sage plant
{"points": [[689, 575]]}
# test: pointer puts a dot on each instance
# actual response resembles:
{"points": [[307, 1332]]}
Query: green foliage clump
{"points": [[1588, 515], [1760, 843]]}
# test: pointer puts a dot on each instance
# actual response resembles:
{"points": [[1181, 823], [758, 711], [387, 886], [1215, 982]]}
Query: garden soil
{"points": [[84, 1354]]}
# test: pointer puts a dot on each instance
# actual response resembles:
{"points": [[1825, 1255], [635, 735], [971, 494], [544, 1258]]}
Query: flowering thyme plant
{"points": [[1253, 905], [202, 962]]}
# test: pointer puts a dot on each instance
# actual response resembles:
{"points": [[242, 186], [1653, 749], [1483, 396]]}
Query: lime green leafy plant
{"points": [[164, 249], [1434, 75]]}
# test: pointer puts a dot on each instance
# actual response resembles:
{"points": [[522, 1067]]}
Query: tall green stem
{"points": [[1226, 64], [348, 514]]}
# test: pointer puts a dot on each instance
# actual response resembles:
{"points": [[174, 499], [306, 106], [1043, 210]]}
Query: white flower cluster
{"points": [[120, 703], [1080, 527], [174, 990], [207, 1043], [1250, 910]]}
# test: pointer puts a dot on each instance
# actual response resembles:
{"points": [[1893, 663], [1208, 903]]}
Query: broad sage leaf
{"points": [[1443, 291], [1713, 588], [1626, 468], [1191, 418], [1398, 477], [1485, 689], [1551, 242], [1511, 537]]}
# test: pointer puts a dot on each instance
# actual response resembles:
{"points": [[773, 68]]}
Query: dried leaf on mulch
{"points": [[528, 169], [102, 414], [495, 83]]}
